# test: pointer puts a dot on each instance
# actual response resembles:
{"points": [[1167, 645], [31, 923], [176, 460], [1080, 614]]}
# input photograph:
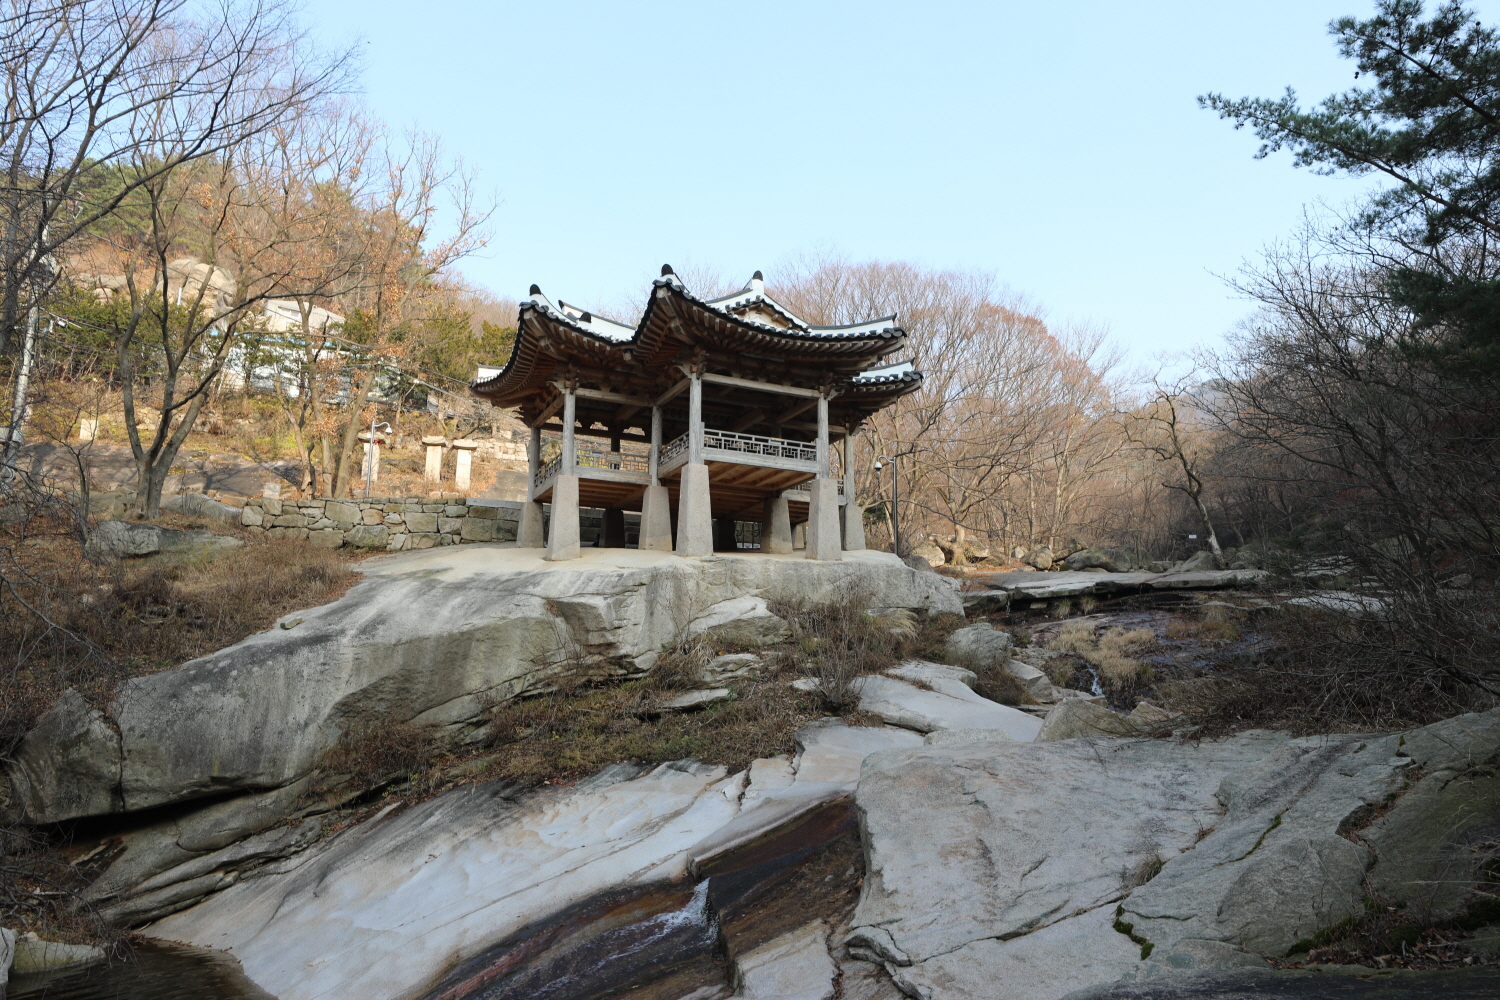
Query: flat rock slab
{"points": [[1328, 983], [1053, 866], [1040, 585], [946, 703], [794, 966], [385, 909]]}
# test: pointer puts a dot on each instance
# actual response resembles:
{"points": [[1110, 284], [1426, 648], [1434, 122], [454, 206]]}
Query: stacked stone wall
{"points": [[393, 523], [398, 524]]}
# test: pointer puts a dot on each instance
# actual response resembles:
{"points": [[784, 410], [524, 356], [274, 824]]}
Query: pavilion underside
{"points": [[725, 409]]}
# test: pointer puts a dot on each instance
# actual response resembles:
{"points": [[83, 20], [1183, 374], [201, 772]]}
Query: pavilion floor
{"points": [[735, 490]]}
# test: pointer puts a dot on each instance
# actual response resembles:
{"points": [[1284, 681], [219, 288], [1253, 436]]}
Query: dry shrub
{"points": [[680, 665], [843, 641], [996, 683], [380, 750]]}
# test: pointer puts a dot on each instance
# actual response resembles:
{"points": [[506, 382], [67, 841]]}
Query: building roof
{"points": [[747, 334]]}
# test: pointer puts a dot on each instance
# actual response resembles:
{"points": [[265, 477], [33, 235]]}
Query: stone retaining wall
{"points": [[397, 523]]}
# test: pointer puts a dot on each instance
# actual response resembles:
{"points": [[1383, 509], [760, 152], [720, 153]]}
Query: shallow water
{"points": [[151, 972]]}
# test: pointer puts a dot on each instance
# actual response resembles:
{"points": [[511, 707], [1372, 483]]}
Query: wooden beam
{"points": [[801, 407], [753, 417], [557, 429], [745, 383], [608, 397], [672, 392], [552, 408]]}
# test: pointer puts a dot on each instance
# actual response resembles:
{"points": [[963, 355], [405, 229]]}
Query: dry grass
{"points": [[90, 625], [571, 733], [1313, 671], [1110, 653]]}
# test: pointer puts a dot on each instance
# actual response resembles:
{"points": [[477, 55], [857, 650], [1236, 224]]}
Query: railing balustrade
{"points": [[673, 448], [548, 470], [594, 460], [754, 444]]}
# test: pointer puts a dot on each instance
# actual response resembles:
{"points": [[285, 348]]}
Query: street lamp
{"points": [[374, 451], [895, 501]]}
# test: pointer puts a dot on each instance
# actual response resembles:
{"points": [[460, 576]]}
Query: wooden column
{"points": [[695, 419], [653, 462], [570, 418], [823, 458]]}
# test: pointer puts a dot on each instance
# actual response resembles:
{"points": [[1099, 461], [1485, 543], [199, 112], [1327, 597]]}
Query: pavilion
{"points": [[707, 410]]}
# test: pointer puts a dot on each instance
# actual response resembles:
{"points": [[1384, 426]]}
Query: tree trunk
{"points": [[351, 436]]}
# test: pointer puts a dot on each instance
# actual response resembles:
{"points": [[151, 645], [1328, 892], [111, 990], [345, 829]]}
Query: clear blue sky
{"points": [[1058, 146]]}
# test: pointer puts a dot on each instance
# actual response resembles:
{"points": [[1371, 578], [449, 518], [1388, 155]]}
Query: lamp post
{"points": [[895, 501], [374, 451]]}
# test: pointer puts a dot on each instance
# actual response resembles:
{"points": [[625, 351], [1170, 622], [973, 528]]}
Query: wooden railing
{"points": [[745, 444], [594, 460]]}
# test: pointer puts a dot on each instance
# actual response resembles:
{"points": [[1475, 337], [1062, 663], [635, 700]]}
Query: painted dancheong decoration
{"points": [[706, 413]]}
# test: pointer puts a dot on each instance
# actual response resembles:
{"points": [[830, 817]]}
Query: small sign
{"points": [[1194, 537]]}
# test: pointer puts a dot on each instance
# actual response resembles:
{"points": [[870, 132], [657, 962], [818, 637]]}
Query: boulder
{"points": [[1198, 562], [918, 563], [33, 955], [742, 621], [1055, 866], [67, 766], [123, 539], [1033, 681], [199, 505], [1109, 560], [433, 638], [982, 643], [931, 553], [985, 602], [7, 955], [1040, 558], [794, 966], [1072, 718]]}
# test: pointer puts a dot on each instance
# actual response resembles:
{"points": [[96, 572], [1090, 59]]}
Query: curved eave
{"points": [[530, 367]]}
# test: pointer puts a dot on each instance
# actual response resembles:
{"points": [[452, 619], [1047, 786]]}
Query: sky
{"points": [[1058, 147]]}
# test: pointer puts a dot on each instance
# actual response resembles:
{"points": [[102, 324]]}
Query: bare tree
{"points": [[1176, 435]]}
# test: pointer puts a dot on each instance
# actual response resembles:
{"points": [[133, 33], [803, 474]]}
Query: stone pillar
{"points": [[656, 503], [854, 516], [656, 520], [433, 472], [529, 533], [823, 521], [695, 524], [564, 540], [799, 535], [463, 463], [370, 468], [612, 529], [88, 428], [776, 526]]}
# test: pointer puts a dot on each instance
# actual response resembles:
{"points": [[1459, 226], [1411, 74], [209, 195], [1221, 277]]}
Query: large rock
{"points": [[930, 696], [984, 644], [200, 505], [1109, 560], [433, 637], [413, 893], [1073, 718], [1055, 866], [129, 539], [123, 539], [794, 966], [742, 621], [930, 552], [1198, 562], [1041, 558], [33, 955], [67, 766], [7, 955]]}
